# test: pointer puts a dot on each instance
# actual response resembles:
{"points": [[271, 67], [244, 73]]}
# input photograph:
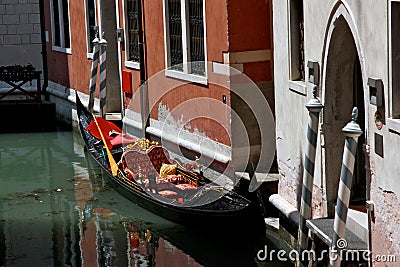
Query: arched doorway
{"points": [[343, 91]]}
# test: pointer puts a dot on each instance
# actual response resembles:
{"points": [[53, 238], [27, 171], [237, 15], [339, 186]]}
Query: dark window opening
{"points": [[91, 23], [296, 37], [175, 34], [133, 30], [196, 29], [56, 19], [60, 31], [358, 190], [66, 23]]}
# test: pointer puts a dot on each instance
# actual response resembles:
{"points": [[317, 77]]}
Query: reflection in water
{"points": [[56, 209]]}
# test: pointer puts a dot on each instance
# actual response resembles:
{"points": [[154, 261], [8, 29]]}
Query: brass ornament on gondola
{"points": [[142, 144]]}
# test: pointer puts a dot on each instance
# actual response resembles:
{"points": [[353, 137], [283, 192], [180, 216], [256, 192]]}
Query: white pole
{"points": [[352, 131], [93, 74], [314, 107]]}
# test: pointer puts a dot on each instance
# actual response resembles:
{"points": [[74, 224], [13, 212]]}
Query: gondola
{"points": [[226, 208]]}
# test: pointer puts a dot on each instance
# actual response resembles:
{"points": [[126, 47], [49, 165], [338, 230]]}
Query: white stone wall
{"points": [[370, 29], [20, 41]]}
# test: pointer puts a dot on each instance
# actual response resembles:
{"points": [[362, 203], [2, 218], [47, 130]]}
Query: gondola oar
{"points": [[113, 164]]}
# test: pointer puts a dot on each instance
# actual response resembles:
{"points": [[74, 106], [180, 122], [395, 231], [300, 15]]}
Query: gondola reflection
{"points": [[142, 245], [146, 248]]}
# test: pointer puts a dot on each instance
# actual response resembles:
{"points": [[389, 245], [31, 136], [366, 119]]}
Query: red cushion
{"points": [[121, 139], [167, 193], [106, 127], [186, 187]]}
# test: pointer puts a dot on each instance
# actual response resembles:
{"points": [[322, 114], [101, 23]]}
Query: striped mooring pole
{"points": [[93, 74], [103, 75], [314, 107], [352, 131]]}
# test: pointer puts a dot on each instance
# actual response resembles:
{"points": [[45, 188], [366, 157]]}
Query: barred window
{"points": [[185, 37], [91, 23], [133, 30], [196, 26], [175, 34]]}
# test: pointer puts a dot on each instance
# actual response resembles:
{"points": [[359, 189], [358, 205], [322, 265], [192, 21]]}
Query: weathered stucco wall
{"points": [[217, 43], [368, 21], [290, 130], [199, 108], [71, 70]]}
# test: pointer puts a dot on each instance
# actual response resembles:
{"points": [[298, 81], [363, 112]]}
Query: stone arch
{"points": [[343, 86]]}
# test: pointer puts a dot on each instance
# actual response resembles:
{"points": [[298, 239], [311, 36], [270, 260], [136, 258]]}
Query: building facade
{"points": [[190, 54], [349, 50], [189, 47]]}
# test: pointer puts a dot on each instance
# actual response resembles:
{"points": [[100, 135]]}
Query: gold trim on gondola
{"points": [[142, 144]]}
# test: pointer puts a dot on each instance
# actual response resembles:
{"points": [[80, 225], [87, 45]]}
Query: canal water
{"points": [[57, 209]]}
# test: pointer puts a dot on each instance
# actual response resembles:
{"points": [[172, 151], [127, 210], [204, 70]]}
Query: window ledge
{"points": [[132, 65], [393, 124], [61, 49], [186, 77], [299, 87]]}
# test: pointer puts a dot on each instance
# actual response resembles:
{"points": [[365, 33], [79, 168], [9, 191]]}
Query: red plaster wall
{"points": [[80, 66], [57, 62], [258, 71], [70, 70], [217, 43], [73, 70], [249, 25], [217, 29], [250, 29]]}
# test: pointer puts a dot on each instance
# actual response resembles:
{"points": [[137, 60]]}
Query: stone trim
{"points": [[247, 56]]}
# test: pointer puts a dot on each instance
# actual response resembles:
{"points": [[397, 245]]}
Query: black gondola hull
{"points": [[206, 214]]}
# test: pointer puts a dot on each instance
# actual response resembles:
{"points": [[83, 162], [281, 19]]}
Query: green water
{"points": [[56, 209]]}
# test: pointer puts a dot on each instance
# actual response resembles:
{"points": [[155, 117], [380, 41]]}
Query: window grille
{"points": [[175, 34], [133, 30], [196, 29], [92, 28]]}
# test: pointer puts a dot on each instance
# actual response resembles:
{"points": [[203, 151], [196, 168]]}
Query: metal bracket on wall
{"points": [[313, 72], [375, 91], [120, 35]]}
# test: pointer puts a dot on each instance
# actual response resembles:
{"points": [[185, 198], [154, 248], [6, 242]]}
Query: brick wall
{"points": [[20, 41]]}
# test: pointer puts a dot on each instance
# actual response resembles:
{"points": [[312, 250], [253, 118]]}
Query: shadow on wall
{"points": [[300, 179]]}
